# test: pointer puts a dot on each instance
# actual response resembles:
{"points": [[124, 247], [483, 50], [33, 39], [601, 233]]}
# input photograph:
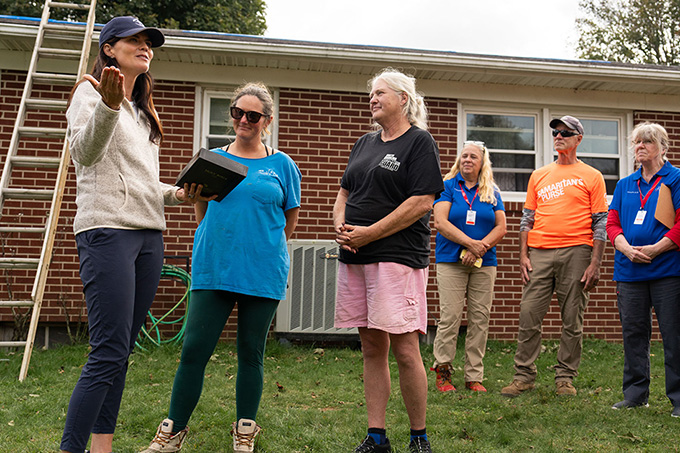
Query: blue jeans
{"points": [[120, 270], [635, 301]]}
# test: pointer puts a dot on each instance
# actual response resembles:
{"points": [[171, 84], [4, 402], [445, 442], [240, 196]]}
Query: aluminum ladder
{"points": [[28, 176]]}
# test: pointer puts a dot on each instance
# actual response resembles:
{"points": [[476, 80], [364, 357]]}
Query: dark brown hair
{"points": [[142, 93]]}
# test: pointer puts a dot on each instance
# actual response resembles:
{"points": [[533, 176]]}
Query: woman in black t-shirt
{"points": [[381, 220]]}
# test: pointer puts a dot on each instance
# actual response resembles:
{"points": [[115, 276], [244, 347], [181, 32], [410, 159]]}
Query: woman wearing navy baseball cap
{"points": [[114, 135]]}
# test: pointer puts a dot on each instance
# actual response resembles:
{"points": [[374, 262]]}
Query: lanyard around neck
{"points": [[643, 201], [462, 189]]}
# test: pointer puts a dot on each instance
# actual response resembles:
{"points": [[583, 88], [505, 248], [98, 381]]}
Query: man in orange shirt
{"points": [[562, 237]]}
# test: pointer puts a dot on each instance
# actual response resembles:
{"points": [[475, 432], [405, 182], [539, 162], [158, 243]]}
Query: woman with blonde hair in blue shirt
{"points": [[470, 221]]}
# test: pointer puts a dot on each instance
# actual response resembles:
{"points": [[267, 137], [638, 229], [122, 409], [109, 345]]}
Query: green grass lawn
{"points": [[313, 402]]}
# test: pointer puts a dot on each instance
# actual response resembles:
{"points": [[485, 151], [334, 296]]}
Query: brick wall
{"points": [[317, 129], [17, 284], [63, 299]]}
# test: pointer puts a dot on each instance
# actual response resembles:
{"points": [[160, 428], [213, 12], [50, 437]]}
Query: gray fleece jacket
{"points": [[116, 165]]}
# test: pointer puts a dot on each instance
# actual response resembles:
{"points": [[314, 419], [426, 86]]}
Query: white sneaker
{"points": [[165, 441], [244, 434]]}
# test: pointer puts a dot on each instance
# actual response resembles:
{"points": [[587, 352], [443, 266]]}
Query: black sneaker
{"points": [[369, 446], [419, 445], [627, 404]]}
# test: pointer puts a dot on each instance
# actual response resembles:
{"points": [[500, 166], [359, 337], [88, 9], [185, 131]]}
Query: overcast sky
{"points": [[522, 28]]}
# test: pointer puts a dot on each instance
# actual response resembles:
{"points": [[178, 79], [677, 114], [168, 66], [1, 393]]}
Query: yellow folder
{"points": [[665, 212]]}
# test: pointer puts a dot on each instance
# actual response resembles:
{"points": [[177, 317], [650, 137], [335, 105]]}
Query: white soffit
{"points": [[355, 64]]}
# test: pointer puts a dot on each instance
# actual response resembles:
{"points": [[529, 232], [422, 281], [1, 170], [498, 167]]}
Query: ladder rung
{"points": [[36, 230], [16, 303], [30, 161], [28, 194], [55, 32], [41, 131], [11, 344], [66, 79], [69, 5], [53, 104], [19, 263], [59, 53], [59, 27]]}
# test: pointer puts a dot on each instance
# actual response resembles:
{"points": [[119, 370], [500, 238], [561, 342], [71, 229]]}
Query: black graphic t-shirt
{"points": [[379, 177]]}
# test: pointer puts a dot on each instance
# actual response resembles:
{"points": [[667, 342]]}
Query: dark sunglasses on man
{"points": [[252, 117], [564, 134]]}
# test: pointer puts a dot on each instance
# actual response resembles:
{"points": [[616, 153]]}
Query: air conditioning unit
{"points": [[309, 307]]}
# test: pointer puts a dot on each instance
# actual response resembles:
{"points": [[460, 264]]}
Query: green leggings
{"points": [[208, 314]]}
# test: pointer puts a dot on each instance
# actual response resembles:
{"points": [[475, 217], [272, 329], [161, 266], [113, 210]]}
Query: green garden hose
{"points": [[153, 333]]}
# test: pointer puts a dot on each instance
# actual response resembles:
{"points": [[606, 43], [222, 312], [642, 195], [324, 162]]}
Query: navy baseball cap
{"points": [[124, 26]]}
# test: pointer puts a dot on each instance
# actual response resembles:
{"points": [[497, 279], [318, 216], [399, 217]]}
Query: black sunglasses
{"points": [[564, 134], [252, 117]]}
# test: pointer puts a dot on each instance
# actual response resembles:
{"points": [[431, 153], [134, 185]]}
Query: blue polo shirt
{"points": [[448, 251], [627, 202]]}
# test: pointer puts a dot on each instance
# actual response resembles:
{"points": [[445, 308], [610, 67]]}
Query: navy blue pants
{"points": [[120, 270], [635, 300]]}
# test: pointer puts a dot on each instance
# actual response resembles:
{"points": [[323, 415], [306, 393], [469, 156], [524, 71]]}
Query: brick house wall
{"points": [[64, 300], [317, 128]]}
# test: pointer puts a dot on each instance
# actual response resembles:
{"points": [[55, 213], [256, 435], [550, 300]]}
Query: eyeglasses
{"points": [[564, 134], [481, 145], [252, 117]]}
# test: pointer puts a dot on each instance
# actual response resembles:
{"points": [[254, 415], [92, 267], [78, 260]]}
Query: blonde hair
{"points": [[414, 109], [487, 185], [654, 133]]}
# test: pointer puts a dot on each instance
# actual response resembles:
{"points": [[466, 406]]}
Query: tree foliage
{"points": [[630, 31], [230, 16]]}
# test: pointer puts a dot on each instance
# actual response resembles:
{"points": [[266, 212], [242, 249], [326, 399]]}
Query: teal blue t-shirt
{"points": [[240, 246]]}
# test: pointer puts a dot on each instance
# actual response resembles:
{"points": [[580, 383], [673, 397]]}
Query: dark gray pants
{"points": [[635, 301], [120, 270]]}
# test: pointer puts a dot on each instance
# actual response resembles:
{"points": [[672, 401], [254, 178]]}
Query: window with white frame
{"points": [[219, 129], [216, 123], [511, 141], [520, 141], [601, 148]]}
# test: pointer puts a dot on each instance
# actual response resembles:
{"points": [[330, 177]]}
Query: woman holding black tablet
{"points": [[239, 256]]}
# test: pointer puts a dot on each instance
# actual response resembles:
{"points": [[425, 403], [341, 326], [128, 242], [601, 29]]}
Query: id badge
{"points": [[640, 217], [471, 217]]}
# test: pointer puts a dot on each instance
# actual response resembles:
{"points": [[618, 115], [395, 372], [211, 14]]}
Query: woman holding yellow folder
{"points": [[470, 221], [647, 265]]}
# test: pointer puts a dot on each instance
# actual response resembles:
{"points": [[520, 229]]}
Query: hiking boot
{"points": [[627, 404], [165, 440], [368, 445], [676, 411], [516, 388], [565, 388], [443, 382], [475, 386], [244, 434], [419, 445]]}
